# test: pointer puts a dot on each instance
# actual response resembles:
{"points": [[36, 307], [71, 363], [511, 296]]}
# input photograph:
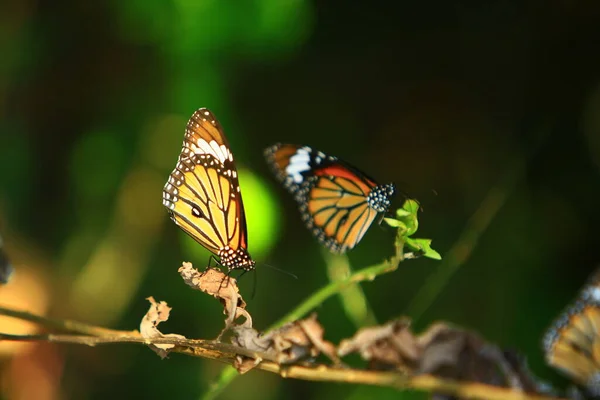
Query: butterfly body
{"points": [[203, 193], [337, 201], [572, 344]]}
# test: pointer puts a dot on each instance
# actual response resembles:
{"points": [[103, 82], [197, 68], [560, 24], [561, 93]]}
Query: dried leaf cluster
{"points": [[442, 350]]}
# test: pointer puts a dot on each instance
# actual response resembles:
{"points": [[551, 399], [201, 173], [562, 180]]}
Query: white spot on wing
{"points": [[220, 153], [216, 150], [593, 294], [299, 162], [203, 147]]}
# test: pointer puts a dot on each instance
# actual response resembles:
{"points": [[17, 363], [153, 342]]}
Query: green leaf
{"points": [[395, 223], [412, 225], [412, 206], [423, 246], [407, 223], [401, 213]]}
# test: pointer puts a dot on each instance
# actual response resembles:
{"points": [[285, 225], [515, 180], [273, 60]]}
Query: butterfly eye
{"points": [[196, 212]]}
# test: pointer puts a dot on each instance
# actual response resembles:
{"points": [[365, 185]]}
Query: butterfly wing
{"points": [[338, 202], [572, 344], [203, 193], [336, 210]]}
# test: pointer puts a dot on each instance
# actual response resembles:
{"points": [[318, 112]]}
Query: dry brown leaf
{"points": [[290, 343], [293, 342], [389, 346], [157, 313], [442, 350], [314, 331], [459, 354], [224, 288], [249, 338], [244, 364]]}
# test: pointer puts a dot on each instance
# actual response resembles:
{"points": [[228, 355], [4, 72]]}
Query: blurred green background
{"points": [[443, 98]]}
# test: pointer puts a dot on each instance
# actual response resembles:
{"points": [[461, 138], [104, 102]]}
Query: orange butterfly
{"points": [[203, 194], [337, 201], [572, 344]]}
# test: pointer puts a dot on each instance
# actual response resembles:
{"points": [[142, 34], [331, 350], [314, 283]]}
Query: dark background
{"points": [[443, 98]]}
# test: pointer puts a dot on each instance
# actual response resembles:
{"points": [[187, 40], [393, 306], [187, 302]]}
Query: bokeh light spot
{"points": [[97, 164]]}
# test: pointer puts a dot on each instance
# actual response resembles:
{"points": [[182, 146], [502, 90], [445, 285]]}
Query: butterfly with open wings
{"points": [[337, 201]]}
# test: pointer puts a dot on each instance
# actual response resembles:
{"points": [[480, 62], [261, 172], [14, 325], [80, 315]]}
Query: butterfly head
{"points": [[236, 259], [380, 197]]}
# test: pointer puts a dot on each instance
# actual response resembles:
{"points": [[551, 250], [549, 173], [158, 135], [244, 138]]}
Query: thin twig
{"points": [[333, 288], [432, 384], [65, 325], [195, 347], [226, 353]]}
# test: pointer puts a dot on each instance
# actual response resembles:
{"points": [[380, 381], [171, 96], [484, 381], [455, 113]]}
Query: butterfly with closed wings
{"points": [[572, 344], [203, 194], [337, 201]]}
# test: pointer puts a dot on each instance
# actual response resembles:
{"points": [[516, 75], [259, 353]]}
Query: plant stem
{"points": [[353, 298], [324, 373], [65, 325]]}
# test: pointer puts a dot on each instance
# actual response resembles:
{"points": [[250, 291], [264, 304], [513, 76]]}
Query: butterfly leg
{"points": [[213, 259]]}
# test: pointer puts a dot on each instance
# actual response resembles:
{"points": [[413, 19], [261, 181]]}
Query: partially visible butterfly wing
{"points": [[199, 196], [204, 135], [337, 201], [293, 164], [336, 210], [572, 344], [203, 192]]}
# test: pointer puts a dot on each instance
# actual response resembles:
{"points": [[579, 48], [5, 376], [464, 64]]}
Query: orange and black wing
{"points": [[203, 194], [572, 344], [338, 202]]}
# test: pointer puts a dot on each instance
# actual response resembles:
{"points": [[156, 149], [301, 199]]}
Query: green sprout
{"points": [[407, 223]]}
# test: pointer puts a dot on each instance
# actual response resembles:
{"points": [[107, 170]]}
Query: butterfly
{"points": [[572, 344], [338, 202], [203, 194]]}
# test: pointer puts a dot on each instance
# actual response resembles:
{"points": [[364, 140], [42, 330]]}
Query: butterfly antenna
{"points": [[281, 270]]}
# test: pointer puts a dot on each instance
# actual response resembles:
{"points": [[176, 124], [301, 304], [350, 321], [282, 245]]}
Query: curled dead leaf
{"points": [[305, 333], [388, 346], [157, 313], [442, 350], [222, 287], [244, 364], [296, 341], [249, 338]]}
